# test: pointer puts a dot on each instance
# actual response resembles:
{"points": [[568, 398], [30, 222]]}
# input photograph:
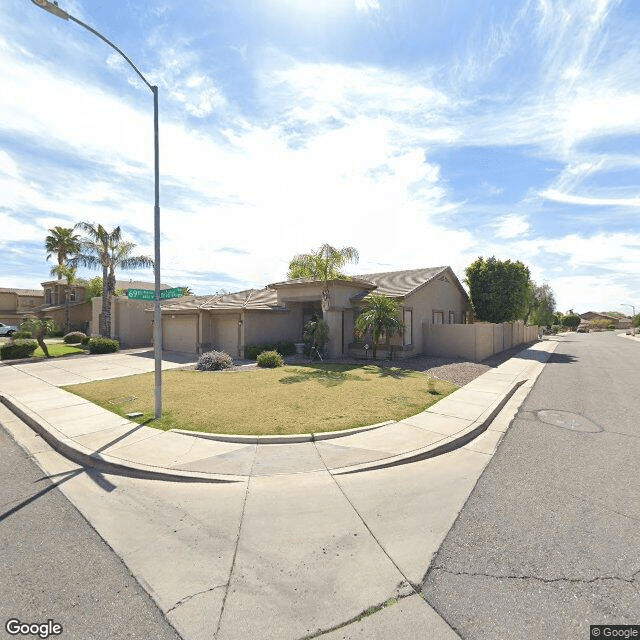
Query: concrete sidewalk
{"points": [[92, 436]]}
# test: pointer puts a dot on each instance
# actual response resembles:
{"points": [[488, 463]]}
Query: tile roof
{"points": [[260, 299], [398, 284], [22, 292]]}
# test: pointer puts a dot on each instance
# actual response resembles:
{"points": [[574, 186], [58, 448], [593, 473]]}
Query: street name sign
{"points": [[150, 294]]}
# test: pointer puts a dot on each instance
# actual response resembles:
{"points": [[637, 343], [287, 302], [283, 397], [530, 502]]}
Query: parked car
{"points": [[7, 329], [582, 328]]}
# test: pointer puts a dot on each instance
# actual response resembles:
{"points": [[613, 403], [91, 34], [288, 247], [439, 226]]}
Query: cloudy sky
{"points": [[421, 133]]}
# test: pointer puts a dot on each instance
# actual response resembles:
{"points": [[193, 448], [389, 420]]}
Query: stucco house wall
{"points": [[15, 304]]}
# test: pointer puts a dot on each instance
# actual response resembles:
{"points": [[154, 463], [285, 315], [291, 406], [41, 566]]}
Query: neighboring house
{"points": [[617, 321], [16, 303], [83, 315], [279, 312]]}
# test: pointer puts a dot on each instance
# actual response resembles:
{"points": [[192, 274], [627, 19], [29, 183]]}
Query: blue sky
{"points": [[422, 133]]}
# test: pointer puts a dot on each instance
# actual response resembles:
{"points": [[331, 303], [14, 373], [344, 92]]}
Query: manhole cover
{"points": [[568, 420]]}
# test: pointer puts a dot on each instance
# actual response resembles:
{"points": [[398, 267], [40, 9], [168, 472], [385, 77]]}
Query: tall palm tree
{"points": [[65, 271], [107, 250], [323, 264], [62, 242], [381, 318]]}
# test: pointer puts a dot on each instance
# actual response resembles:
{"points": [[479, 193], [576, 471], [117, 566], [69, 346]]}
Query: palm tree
{"points": [[323, 264], [65, 271], [62, 242], [381, 318], [39, 327], [107, 250]]}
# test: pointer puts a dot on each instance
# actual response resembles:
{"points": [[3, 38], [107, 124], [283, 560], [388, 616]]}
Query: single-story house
{"points": [[280, 311], [619, 322]]}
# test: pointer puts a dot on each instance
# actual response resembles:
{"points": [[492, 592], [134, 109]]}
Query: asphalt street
{"points": [[548, 542], [56, 567]]}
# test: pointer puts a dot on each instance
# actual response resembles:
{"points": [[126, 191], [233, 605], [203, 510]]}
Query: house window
{"points": [[408, 328], [72, 296], [438, 317], [452, 317], [465, 317], [47, 296]]}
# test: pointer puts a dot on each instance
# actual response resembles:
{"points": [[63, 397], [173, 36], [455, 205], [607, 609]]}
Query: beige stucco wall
{"points": [[475, 341], [269, 326], [435, 296], [130, 323], [8, 307]]}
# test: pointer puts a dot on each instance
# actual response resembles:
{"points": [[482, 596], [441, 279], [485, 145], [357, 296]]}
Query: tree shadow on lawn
{"points": [[331, 375]]}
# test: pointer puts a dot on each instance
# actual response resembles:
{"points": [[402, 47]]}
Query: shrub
{"points": [[555, 328], [571, 320], [284, 348], [214, 361], [85, 341], [103, 345], [270, 359], [18, 349], [22, 334], [75, 337]]}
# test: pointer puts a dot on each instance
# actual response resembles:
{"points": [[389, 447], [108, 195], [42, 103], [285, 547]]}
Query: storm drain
{"points": [[568, 420]]}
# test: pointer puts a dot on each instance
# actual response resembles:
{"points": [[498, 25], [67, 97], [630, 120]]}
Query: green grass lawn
{"points": [[286, 400], [58, 350]]}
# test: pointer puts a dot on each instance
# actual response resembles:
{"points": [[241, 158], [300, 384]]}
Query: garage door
{"points": [[180, 333]]}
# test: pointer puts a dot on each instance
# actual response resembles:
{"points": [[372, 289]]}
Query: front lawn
{"points": [[56, 350], [286, 400]]}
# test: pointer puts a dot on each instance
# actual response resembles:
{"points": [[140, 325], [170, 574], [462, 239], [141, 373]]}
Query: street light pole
{"points": [[633, 326], [52, 7]]}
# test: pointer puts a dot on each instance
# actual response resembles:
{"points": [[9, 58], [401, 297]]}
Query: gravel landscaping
{"points": [[455, 370]]}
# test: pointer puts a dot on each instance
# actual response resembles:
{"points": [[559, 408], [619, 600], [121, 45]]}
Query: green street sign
{"points": [[150, 294], [165, 294]]}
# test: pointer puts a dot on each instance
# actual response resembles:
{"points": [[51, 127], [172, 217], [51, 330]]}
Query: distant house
{"points": [[50, 302], [280, 311], [16, 303], [617, 321]]}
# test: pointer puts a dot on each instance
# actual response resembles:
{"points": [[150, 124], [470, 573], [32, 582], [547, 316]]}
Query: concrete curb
{"points": [[107, 464], [450, 444], [291, 439]]}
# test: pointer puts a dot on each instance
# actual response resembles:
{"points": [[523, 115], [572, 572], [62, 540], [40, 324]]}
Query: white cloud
{"points": [[558, 196], [367, 5], [512, 226]]}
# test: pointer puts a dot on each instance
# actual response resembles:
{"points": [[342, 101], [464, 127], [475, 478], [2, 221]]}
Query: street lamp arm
{"points": [[52, 7]]}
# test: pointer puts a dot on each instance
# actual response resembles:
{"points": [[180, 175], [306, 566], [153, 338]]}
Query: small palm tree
{"points": [[381, 318], [107, 250], [39, 328], [62, 242], [65, 271], [316, 334]]}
